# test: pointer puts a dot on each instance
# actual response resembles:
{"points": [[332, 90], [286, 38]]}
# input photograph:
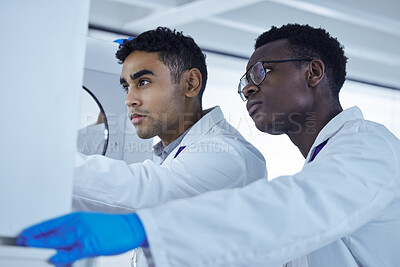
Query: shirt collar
{"points": [[210, 117], [163, 152]]}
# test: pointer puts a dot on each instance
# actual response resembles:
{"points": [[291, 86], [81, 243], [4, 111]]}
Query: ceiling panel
{"points": [[220, 38], [115, 14], [369, 29], [389, 9]]}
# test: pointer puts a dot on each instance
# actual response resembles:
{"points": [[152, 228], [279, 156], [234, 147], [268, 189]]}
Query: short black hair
{"points": [[317, 43], [177, 51]]}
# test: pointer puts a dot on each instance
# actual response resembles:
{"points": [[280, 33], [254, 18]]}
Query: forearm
{"points": [[104, 185]]}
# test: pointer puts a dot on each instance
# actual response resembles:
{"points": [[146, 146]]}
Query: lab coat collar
{"points": [[210, 118], [199, 129], [353, 113]]}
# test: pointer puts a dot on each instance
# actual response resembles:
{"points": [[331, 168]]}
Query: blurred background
{"points": [[226, 31]]}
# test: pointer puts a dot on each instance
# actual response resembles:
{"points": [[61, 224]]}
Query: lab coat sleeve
{"points": [[107, 185], [270, 223]]}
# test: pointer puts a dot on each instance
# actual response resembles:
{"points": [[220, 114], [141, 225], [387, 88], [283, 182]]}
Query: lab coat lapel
{"points": [[198, 130], [353, 113]]}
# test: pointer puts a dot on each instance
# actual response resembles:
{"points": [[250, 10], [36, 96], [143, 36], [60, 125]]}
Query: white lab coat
{"points": [[216, 156], [342, 209]]}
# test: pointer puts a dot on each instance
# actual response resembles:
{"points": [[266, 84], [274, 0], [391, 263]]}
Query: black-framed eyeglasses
{"points": [[257, 73]]}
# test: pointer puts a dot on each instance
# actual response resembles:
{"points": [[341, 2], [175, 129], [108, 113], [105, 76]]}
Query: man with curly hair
{"points": [[164, 75], [341, 209]]}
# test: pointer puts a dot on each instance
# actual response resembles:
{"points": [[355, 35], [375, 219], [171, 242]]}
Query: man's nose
{"points": [[250, 89], [132, 99]]}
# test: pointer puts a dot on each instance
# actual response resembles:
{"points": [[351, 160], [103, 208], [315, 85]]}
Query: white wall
{"points": [[42, 55]]}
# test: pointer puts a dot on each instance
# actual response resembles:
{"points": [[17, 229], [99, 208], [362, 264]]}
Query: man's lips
{"points": [[136, 118], [253, 106]]}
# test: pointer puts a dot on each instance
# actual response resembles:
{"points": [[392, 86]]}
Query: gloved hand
{"points": [[82, 234]]}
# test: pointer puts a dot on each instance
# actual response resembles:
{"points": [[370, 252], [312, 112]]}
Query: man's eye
{"points": [[125, 88], [143, 82]]}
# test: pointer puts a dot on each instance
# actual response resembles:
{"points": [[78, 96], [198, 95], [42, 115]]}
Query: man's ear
{"points": [[315, 72], [193, 82]]}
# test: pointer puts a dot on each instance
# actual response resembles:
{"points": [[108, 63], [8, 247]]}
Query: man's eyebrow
{"points": [[140, 73], [136, 75]]}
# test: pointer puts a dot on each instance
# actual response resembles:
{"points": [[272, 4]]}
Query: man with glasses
{"points": [[341, 209]]}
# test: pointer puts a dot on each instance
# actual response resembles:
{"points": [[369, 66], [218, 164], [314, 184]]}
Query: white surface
{"points": [[89, 110], [41, 67], [100, 56], [12, 256], [122, 260], [34, 254]]}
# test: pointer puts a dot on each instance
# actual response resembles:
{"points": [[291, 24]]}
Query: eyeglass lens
{"points": [[257, 76], [257, 73]]}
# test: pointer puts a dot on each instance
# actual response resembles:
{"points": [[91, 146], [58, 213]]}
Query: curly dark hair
{"points": [[317, 43], [177, 51]]}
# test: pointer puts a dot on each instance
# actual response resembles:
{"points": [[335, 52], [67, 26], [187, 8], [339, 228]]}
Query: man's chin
{"points": [[269, 128], [144, 134]]}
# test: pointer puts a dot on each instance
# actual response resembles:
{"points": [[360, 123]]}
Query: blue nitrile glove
{"points": [[82, 234]]}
